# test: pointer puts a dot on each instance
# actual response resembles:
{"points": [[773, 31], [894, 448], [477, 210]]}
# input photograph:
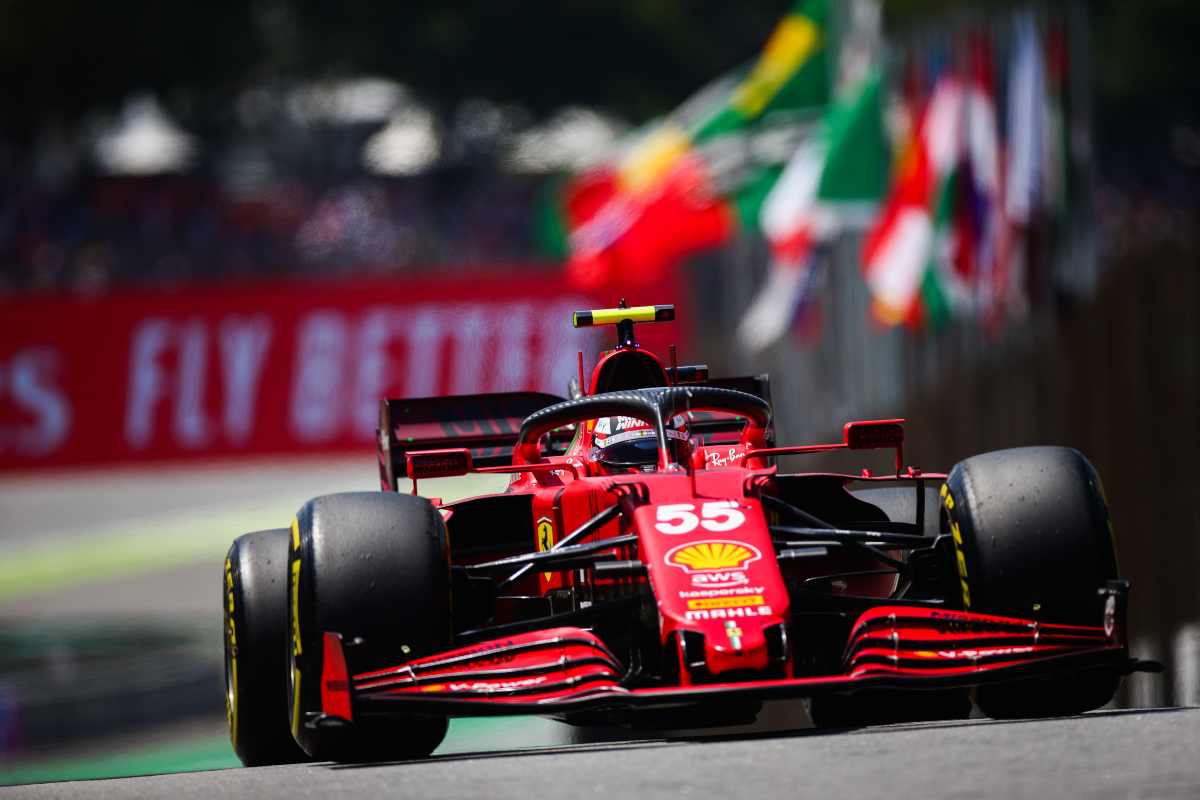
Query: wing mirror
{"points": [[873, 434], [448, 463]]}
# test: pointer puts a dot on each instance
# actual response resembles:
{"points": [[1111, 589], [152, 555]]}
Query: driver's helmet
{"points": [[623, 444]]}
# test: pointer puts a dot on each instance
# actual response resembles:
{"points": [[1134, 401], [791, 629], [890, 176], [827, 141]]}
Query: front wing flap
{"points": [[565, 670], [537, 666]]}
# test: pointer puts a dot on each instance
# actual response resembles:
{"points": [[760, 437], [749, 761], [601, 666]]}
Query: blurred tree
{"points": [[1146, 61], [60, 59]]}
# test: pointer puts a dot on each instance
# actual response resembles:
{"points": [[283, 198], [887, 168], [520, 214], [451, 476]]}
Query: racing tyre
{"points": [[255, 601], [373, 567], [1033, 539]]}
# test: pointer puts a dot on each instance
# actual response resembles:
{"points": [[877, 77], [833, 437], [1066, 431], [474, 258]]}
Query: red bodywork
{"points": [[696, 539]]}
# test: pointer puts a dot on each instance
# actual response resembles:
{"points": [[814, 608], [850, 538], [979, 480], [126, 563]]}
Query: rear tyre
{"points": [[255, 601], [371, 566], [1033, 539]]}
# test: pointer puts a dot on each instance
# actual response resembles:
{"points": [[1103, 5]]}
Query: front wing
{"points": [[561, 671]]}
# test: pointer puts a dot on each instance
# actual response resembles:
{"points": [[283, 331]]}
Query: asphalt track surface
{"points": [[1107, 754]]}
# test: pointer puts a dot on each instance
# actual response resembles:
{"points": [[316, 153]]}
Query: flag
{"points": [[831, 184], [1026, 121], [945, 284], [897, 251], [1023, 174], [791, 73], [1055, 174], [689, 182], [979, 212], [633, 238], [966, 209]]}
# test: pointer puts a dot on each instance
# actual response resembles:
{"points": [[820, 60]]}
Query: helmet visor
{"points": [[639, 450]]}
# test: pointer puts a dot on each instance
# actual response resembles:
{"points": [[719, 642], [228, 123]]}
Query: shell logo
{"points": [[712, 555]]}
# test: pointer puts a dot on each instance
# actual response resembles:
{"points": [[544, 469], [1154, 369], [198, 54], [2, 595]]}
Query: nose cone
{"points": [[712, 565]]}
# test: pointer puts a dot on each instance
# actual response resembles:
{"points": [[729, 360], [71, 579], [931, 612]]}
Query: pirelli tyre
{"points": [[373, 567], [255, 614], [1033, 539]]}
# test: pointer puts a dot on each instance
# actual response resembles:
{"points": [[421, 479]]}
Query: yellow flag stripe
{"points": [[793, 43], [646, 164]]}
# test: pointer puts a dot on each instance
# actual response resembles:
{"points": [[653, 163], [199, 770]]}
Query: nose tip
{"points": [[741, 645]]}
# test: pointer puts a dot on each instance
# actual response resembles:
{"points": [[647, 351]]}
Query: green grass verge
{"points": [[186, 756], [194, 754]]}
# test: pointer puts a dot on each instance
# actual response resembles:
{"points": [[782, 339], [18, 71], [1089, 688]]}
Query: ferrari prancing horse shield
{"points": [[545, 538]]}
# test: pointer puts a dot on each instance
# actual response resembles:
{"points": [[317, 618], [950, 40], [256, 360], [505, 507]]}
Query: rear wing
{"points": [[717, 428], [486, 424]]}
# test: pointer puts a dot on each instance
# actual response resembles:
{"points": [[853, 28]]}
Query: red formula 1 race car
{"points": [[649, 565]]}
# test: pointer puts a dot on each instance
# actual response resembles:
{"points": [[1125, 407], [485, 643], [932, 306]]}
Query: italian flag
{"points": [[900, 262], [832, 184], [689, 182], [966, 214]]}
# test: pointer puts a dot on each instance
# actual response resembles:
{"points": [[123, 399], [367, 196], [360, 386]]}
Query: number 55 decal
{"points": [[718, 516]]}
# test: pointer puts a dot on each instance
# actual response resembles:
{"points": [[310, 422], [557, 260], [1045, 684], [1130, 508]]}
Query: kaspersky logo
{"points": [[712, 556]]}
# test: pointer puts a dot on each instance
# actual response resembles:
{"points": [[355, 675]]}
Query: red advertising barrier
{"points": [[273, 369]]}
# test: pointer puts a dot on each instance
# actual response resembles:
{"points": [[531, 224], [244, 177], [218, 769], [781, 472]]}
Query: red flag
{"points": [[635, 238]]}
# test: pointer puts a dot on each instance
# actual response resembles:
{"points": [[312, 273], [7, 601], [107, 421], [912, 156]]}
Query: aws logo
{"points": [[712, 555]]}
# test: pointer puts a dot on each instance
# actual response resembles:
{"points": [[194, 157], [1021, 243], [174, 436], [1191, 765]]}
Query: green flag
{"points": [[792, 73]]}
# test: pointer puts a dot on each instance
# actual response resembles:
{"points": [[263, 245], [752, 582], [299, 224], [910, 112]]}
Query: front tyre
{"points": [[1033, 539], [255, 617], [373, 567]]}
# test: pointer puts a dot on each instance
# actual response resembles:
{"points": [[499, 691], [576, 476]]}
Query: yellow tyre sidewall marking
{"points": [[231, 693], [956, 534], [294, 597]]}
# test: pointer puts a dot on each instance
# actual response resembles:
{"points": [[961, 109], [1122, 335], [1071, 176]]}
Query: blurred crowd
{"points": [[101, 231], [113, 232]]}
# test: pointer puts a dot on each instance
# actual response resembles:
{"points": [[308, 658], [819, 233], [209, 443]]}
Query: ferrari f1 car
{"points": [[650, 565]]}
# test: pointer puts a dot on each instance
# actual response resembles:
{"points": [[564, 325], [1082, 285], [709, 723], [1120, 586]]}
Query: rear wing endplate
{"points": [[486, 424]]}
